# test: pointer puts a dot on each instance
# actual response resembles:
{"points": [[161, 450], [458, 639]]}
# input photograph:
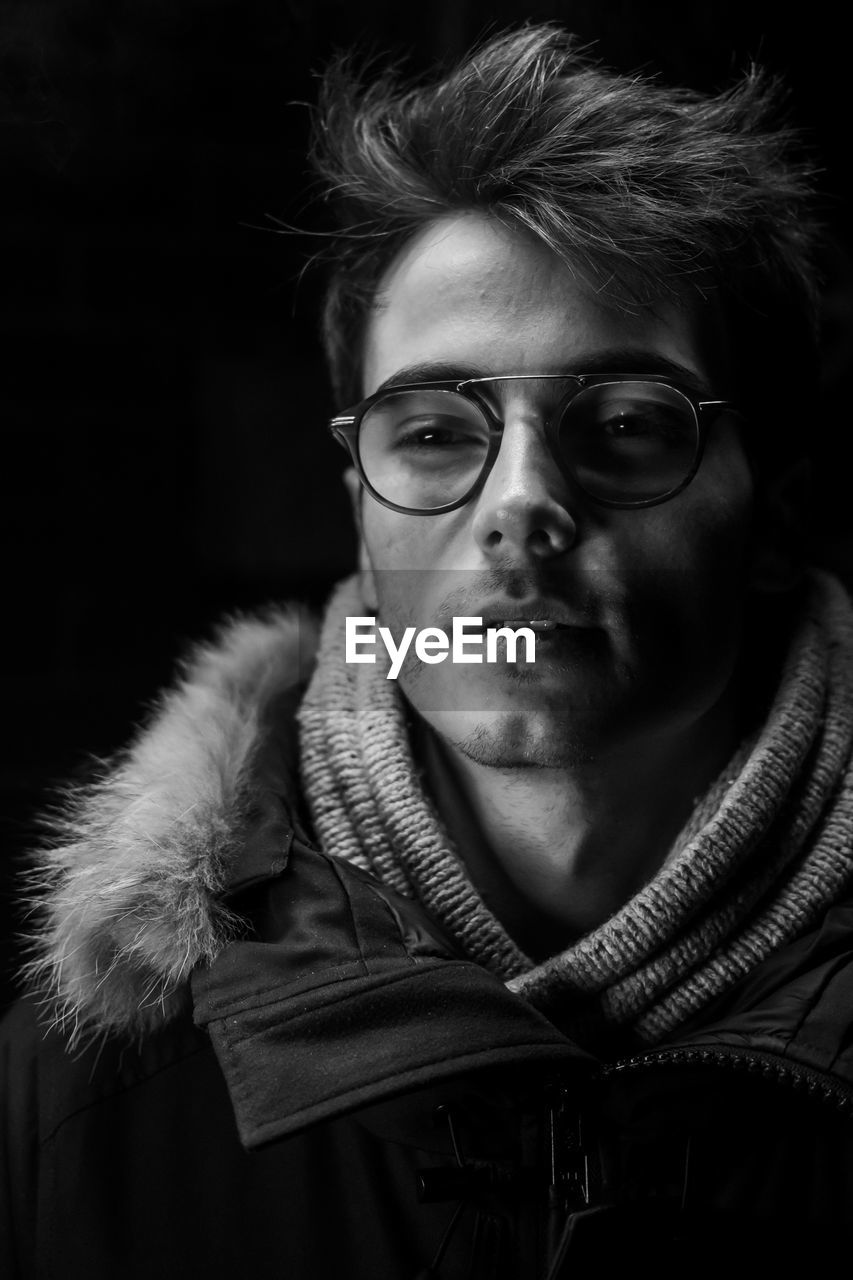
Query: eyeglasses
{"points": [[426, 448]]}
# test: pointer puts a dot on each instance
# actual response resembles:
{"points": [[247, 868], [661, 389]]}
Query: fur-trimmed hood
{"points": [[127, 889]]}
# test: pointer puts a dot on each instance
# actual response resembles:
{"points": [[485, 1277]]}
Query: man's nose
{"points": [[523, 508]]}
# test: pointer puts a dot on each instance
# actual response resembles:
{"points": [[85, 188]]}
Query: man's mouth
{"points": [[535, 624], [540, 614]]}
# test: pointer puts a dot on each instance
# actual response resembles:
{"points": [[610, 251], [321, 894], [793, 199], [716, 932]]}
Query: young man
{"points": [[425, 966]]}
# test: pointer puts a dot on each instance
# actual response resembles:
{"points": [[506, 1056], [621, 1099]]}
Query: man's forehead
{"points": [[470, 258], [468, 297]]}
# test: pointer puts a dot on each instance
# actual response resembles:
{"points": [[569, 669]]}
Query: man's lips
{"points": [[538, 614], [535, 624]]}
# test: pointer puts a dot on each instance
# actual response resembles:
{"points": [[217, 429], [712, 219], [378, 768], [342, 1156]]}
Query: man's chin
{"points": [[510, 739]]}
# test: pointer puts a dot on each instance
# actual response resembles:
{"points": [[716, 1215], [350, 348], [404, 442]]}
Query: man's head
{"points": [[649, 192], [532, 214]]}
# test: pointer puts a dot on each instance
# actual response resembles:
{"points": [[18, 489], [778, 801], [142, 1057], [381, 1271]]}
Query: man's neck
{"points": [[555, 852]]}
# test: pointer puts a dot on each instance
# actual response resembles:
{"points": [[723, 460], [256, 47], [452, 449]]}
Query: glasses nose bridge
{"points": [[486, 392], [543, 450]]}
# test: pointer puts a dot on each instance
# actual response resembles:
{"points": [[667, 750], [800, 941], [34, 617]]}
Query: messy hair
{"points": [[645, 190]]}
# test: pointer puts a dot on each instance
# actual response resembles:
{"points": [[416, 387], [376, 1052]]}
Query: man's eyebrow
{"points": [[636, 360], [631, 360], [433, 371]]}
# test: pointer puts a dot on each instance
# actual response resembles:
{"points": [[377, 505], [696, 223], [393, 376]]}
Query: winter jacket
{"points": [[263, 1062]]}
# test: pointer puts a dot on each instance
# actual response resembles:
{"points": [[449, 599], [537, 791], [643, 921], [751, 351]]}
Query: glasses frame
{"points": [[345, 429]]}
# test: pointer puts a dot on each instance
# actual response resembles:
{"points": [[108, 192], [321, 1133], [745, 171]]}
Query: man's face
{"points": [[651, 599]]}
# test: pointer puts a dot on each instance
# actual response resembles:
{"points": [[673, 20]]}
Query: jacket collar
{"points": [[345, 995]]}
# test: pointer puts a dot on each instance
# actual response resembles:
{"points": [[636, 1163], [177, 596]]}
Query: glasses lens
{"points": [[630, 441], [423, 449]]}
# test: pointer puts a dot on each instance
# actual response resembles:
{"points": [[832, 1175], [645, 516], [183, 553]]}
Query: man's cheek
{"points": [[683, 611], [393, 545], [401, 600]]}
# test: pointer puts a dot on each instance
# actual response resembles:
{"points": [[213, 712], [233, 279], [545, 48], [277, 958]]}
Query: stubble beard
{"points": [[510, 742]]}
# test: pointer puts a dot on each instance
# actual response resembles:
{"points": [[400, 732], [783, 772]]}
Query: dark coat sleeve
{"points": [[18, 1141]]}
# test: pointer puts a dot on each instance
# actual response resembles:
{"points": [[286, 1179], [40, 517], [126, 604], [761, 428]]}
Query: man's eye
{"points": [[435, 433], [631, 425]]}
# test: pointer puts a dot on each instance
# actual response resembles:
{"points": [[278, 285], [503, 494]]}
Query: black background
{"points": [[164, 458]]}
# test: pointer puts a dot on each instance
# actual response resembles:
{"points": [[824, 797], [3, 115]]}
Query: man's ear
{"points": [[780, 542], [355, 489]]}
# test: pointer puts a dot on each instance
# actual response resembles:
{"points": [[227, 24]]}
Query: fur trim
{"points": [[126, 889]]}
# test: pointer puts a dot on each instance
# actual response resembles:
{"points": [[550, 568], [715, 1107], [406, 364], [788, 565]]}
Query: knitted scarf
{"points": [[765, 852]]}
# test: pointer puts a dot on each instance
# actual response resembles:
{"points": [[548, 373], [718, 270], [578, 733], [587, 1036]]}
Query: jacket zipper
{"points": [[793, 1075]]}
